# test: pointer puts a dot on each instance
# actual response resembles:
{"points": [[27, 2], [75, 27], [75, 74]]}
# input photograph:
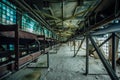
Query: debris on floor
{"points": [[65, 67]]}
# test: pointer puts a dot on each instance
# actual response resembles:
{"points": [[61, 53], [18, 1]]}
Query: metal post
{"points": [[16, 48], [114, 51], [47, 59], [70, 46], [87, 55], [44, 45], [74, 46], [27, 46], [107, 66]]}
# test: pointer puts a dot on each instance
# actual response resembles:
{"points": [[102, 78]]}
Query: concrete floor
{"points": [[63, 66]]}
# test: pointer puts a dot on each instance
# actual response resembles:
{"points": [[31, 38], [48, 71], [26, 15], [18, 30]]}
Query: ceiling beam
{"points": [[74, 16], [47, 15]]}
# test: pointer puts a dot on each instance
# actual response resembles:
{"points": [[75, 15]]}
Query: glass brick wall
{"points": [[8, 16], [46, 32], [7, 13], [30, 25]]}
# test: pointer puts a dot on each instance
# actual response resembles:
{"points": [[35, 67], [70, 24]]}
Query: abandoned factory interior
{"points": [[59, 39]]}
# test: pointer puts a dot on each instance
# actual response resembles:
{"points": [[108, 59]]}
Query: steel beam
{"points": [[103, 42], [114, 52], [117, 35], [107, 66], [87, 55], [47, 59]]}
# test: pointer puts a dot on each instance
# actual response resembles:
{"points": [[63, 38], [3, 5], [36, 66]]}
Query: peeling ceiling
{"points": [[63, 16]]}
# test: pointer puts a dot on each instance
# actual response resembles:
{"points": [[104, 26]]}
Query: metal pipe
{"points": [[107, 66], [109, 29]]}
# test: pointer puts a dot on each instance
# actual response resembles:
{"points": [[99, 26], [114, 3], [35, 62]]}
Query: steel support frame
{"points": [[117, 35], [43, 53], [107, 66], [79, 47], [104, 42]]}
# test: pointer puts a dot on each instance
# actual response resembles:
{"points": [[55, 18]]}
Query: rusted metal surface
{"points": [[41, 37], [22, 34], [29, 58]]}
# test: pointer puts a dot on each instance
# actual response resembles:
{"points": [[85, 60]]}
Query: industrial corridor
{"points": [[59, 39], [63, 66]]}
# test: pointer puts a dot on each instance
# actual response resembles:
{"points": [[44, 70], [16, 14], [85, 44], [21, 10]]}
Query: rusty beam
{"points": [[107, 66]]}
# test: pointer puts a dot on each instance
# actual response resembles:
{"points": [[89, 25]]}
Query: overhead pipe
{"points": [[109, 29]]}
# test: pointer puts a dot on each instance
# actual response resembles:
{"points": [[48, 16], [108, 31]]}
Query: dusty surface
{"points": [[63, 66]]}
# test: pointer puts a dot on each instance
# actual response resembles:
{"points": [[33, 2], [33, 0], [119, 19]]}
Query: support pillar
{"points": [[74, 46], [87, 55], [47, 59], [17, 48], [114, 52], [107, 66]]}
